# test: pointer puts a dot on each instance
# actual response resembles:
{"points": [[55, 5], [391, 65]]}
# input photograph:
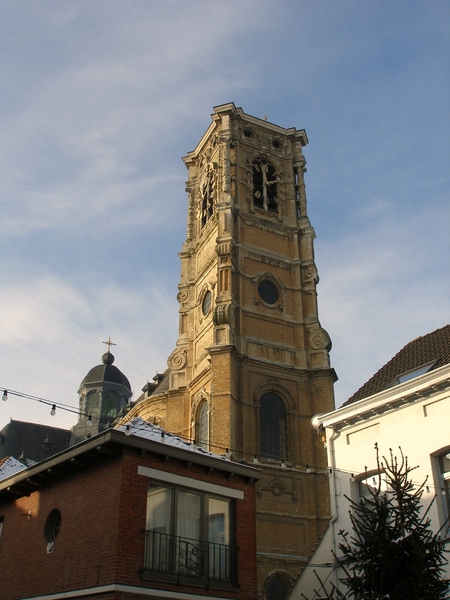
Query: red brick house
{"points": [[123, 516]]}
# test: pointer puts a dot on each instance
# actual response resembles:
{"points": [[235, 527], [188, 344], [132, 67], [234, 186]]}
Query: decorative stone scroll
{"points": [[319, 339], [177, 360]]}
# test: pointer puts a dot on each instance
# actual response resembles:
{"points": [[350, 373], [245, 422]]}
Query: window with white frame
{"points": [[188, 534], [444, 473]]}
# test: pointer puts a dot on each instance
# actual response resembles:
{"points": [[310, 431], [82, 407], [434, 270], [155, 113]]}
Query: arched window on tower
{"points": [[111, 404], [207, 198], [93, 404], [264, 185], [202, 426], [273, 426]]}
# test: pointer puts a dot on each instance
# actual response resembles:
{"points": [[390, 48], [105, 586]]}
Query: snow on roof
{"points": [[140, 428], [9, 466]]}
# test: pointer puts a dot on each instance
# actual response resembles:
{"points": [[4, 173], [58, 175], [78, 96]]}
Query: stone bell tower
{"points": [[251, 364]]}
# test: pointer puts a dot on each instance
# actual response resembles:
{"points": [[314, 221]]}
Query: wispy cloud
{"points": [[100, 101]]}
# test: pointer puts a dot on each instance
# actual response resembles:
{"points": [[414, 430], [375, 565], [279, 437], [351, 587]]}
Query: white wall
{"points": [[414, 416]]}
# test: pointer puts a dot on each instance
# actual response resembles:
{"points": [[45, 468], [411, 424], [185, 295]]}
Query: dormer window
{"points": [[412, 374], [264, 185]]}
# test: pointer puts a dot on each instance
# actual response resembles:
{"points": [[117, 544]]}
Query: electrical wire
{"points": [[187, 439]]}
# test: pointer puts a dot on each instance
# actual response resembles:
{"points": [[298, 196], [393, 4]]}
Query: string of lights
{"points": [[227, 451]]}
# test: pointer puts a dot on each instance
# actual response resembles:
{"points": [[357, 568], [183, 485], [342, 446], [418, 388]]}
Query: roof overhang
{"points": [[105, 445], [429, 385]]}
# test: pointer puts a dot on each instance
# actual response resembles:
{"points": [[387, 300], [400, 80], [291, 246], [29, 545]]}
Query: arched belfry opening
{"points": [[264, 185]]}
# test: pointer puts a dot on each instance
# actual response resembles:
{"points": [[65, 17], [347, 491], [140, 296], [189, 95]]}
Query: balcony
{"points": [[195, 562]]}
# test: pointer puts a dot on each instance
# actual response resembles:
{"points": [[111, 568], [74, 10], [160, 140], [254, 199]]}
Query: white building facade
{"points": [[414, 416]]}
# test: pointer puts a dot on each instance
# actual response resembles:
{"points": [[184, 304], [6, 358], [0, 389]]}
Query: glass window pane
{"points": [[188, 519], [159, 528], [203, 426], [111, 403], [268, 292], [444, 464], [159, 508], [219, 521], [277, 589], [93, 404], [273, 427], [220, 560]]}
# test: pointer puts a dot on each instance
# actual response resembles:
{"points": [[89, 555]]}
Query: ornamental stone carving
{"points": [[319, 339], [223, 315], [177, 360]]}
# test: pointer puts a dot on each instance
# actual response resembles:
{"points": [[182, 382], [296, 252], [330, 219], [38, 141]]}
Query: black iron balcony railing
{"points": [[179, 557]]}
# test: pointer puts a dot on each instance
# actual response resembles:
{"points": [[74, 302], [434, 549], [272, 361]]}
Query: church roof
{"points": [[419, 356], [106, 372], [31, 441]]}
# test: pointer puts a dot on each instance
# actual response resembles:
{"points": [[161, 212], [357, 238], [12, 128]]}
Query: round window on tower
{"points": [[206, 304], [268, 292]]}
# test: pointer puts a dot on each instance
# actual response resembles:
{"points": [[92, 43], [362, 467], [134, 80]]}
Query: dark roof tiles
{"points": [[433, 347]]}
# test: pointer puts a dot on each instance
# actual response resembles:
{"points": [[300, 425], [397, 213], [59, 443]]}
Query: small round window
{"points": [[52, 526], [206, 304], [268, 292]]}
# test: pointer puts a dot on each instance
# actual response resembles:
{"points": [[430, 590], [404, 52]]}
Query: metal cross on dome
{"points": [[109, 343]]}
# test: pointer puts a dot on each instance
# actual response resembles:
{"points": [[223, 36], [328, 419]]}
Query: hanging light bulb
{"points": [[89, 421], [163, 436], [255, 460], [352, 478], [283, 464], [127, 430], [53, 411], [443, 491], [5, 395], [428, 489], [227, 453], [308, 469]]}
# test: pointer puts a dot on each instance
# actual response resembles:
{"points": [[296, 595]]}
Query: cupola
{"points": [[104, 392]]}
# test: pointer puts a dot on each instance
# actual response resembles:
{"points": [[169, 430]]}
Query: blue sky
{"points": [[99, 102]]}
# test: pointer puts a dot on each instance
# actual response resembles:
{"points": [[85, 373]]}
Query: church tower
{"points": [[251, 364], [104, 392]]}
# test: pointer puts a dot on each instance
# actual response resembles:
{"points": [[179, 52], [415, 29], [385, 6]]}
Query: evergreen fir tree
{"points": [[391, 552]]}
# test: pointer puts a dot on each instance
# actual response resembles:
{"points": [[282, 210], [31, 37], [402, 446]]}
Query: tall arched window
{"points": [[264, 185], [93, 404], [202, 426], [273, 426], [111, 403]]}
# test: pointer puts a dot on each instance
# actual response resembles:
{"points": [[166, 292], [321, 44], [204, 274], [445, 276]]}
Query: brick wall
{"points": [[101, 540]]}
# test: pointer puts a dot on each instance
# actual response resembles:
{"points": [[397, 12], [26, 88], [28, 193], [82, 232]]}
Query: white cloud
{"points": [[379, 289], [54, 326], [101, 99]]}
